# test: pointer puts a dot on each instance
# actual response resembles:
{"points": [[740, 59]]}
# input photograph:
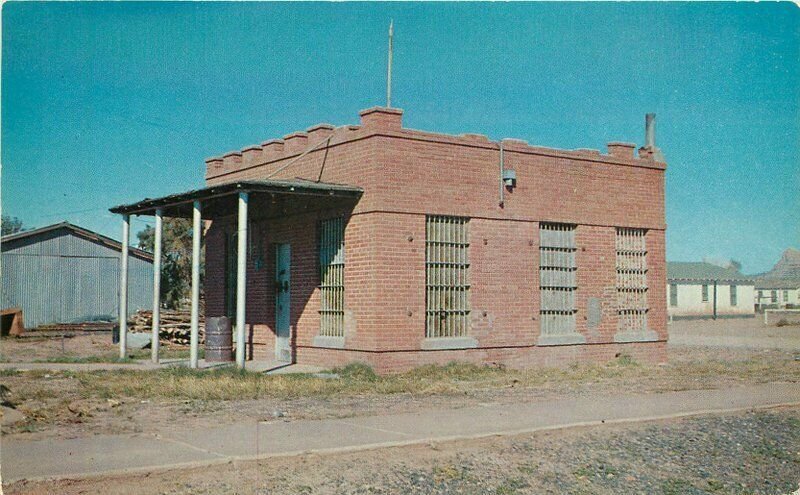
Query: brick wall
{"points": [[407, 174]]}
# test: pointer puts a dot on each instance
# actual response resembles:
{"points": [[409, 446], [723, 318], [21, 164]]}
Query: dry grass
{"points": [[232, 384], [113, 357], [61, 400]]}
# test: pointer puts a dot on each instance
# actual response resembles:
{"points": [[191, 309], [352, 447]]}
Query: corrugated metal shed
{"points": [[63, 274]]}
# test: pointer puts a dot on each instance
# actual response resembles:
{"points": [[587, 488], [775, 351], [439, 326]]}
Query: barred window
{"points": [[631, 280], [785, 296], [704, 295], [774, 296], [331, 263], [673, 295], [446, 276], [734, 296], [557, 283]]}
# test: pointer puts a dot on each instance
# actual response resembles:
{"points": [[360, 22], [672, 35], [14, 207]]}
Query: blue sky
{"points": [[107, 103]]}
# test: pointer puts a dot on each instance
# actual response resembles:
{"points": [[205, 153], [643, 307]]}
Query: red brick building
{"points": [[396, 247]]}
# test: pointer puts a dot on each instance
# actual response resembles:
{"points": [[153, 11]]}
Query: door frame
{"points": [[288, 339]]}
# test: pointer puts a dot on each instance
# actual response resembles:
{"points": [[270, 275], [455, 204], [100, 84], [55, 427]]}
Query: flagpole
{"points": [[389, 75]]}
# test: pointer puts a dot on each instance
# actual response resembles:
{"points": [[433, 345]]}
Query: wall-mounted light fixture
{"points": [[509, 178]]}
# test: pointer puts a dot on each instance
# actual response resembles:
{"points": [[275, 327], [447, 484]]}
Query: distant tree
{"points": [[736, 265], [176, 264], [11, 225]]}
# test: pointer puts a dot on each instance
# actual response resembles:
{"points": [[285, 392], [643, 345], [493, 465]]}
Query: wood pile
{"points": [[175, 325]]}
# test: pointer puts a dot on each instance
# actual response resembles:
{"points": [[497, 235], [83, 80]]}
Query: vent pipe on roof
{"points": [[650, 130], [650, 149]]}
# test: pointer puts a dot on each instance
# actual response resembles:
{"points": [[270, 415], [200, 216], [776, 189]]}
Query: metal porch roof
{"points": [[182, 201]]}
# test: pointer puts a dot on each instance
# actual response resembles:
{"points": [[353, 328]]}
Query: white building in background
{"points": [[703, 290], [777, 293]]}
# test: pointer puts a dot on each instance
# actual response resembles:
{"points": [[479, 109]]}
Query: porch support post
{"points": [[156, 286], [241, 280], [123, 288], [194, 339]]}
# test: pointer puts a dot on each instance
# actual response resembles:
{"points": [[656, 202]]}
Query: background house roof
{"points": [[702, 271], [8, 240], [777, 284]]}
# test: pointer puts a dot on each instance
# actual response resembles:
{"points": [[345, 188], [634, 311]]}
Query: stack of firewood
{"points": [[175, 325]]}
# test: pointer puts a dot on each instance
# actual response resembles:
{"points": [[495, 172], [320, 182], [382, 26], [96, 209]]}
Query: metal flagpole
{"points": [[389, 75]]}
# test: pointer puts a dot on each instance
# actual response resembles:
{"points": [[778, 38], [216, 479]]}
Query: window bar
{"points": [[331, 255], [447, 276], [557, 278]]}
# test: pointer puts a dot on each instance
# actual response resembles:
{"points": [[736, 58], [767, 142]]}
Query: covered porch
{"points": [[246, 201]]}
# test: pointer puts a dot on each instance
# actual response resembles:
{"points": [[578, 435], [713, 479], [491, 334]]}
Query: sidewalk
{"points": [[110, 454]]}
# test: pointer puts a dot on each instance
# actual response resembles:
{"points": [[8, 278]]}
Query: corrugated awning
{"points": [[221, 199]]}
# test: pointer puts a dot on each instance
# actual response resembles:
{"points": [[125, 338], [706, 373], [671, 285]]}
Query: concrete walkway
{"points": [[115, 454]]}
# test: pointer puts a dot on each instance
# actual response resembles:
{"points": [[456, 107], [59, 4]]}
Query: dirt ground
{"points": [[76, 347], [72, 404], [67, 404], [734, 332], [747, 453]]}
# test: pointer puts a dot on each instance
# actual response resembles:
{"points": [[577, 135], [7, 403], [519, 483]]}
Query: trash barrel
{"points": [[219, 339]]}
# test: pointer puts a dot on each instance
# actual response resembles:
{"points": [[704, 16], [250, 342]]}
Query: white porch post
{"points": [[156, 286], [241, 280], [123, 288], [194, 340]]}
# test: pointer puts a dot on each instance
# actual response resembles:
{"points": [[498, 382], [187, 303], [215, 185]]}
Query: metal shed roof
{"points": [[11, 239]]}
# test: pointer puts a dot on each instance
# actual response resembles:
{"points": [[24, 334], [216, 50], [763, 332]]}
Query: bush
{"points": [[357, 371], [626, 360], [453, 370]]}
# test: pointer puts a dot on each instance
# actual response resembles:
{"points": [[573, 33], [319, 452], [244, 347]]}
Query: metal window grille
{"points": [[704, 295], [446, 276], [673, 295], [774, 296], [631, 279], [231, 247], [785, 296], [331, 262], [557, 283], [734, 296]]}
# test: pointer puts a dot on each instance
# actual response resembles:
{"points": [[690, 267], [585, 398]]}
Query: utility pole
{"points": [[715, 299]]}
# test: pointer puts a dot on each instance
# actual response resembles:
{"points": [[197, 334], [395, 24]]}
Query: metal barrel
{"points": [[219, 339]]}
